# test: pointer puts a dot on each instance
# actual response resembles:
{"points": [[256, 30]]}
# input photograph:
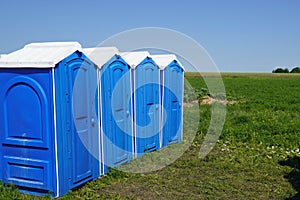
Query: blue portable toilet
{"points": [[172, 79], [146, 95], [47, 116], [116, 108]]}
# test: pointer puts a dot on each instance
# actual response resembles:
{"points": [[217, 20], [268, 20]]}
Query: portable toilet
{"points": [[99, 55], [116, 108], [172, 79], [46, 112], [146, 103]]}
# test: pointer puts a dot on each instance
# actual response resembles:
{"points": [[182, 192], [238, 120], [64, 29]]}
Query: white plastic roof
{"points": [[100, 55], [2, 56], [165, 59], [134, 58], [39, 55]]}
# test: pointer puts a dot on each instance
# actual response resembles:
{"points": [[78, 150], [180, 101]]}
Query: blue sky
{"points": [[240, 36]]}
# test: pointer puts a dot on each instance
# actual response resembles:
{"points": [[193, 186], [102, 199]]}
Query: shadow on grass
{"points": [[294, 176]]}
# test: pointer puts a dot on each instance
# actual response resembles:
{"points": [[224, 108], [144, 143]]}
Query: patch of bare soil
{"points": [[190, 104], [209, 100]]}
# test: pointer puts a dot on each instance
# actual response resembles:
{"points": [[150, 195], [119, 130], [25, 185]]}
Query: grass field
{"points": [[256, 157]]}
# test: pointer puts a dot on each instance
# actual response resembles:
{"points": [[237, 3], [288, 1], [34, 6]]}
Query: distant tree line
{"points": [[286, 70]]}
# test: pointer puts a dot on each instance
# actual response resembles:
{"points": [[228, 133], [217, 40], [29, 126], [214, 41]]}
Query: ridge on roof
{"points": [[134, 58], [100, 55], [39, 55], [164, 60]]}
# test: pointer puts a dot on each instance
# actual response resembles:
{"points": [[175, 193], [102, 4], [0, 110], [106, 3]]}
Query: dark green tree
{"points": [[295, 70], [280, 70]]}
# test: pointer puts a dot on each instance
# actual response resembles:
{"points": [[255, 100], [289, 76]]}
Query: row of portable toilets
{"points": [[68, 113]]}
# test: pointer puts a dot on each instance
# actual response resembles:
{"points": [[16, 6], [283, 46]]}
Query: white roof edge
{"points": [[39, 55], [100, 55], [134, 58], [53, 44], [26, 65], [163, 60], [2, 55]]}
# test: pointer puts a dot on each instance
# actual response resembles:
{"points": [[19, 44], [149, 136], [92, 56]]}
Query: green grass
{"points": [[256, 157]]}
